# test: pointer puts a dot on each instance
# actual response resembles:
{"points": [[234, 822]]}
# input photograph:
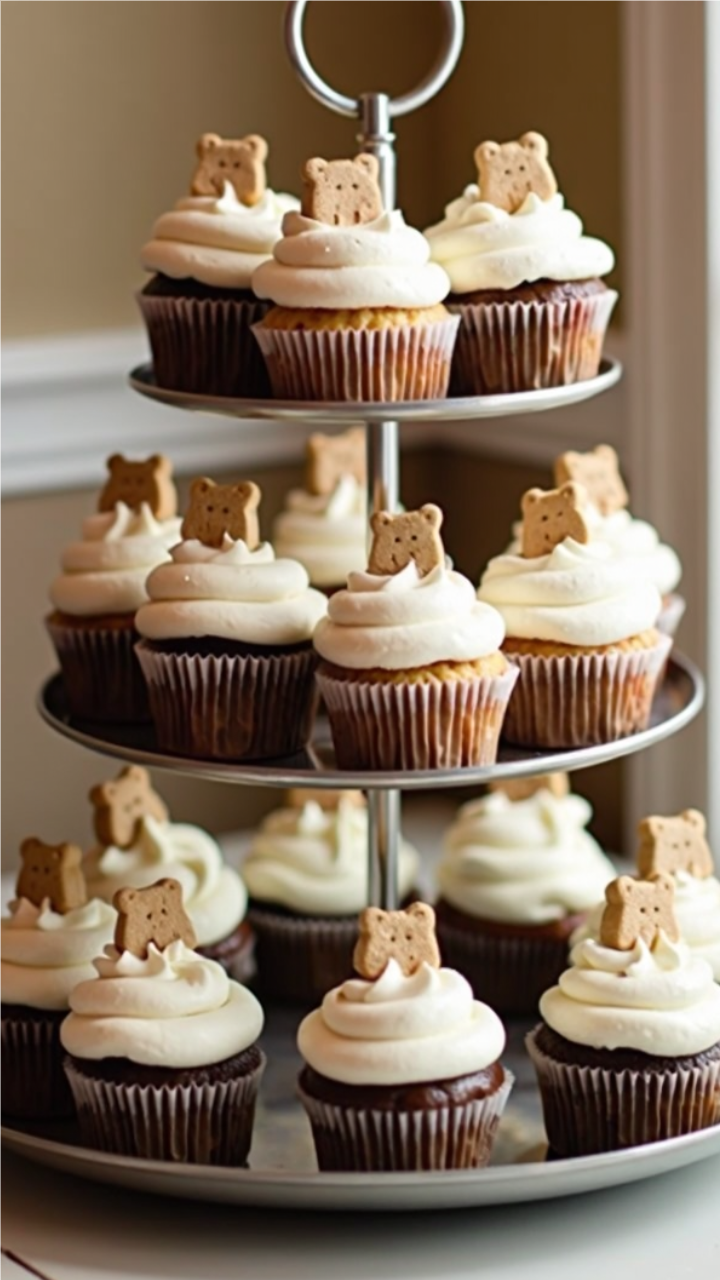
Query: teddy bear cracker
{"points": [[342, 193], [121, 804], [405, 936], [599, 471], [638, 909], [330, 458], [327, 798], [509, 171], [155, 914], [51, 872], [410, 535], [558, 784], [133, 483], [550, 516], [239, 161], [675, 844], [219, 509]]}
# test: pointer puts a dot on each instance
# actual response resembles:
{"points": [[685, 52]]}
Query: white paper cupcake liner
{"points": [[205, 345], [441, 725], [671, 614], [588, 1110], [33, 1081], [195, 1124], [409, 362], [351, 1140], [230, 707], [524, 346], [581, 699], [101, 676]]}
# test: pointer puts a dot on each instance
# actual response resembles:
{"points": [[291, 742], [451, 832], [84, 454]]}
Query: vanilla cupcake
{"points": [[580, 627], [525, 279], [102, 584], [518, 874], [358, 312], [307, 875], [226, 646], [402, 1066], [198, 306]]}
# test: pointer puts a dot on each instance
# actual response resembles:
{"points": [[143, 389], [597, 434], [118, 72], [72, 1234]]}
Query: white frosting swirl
{"points": [[314, 861], [326, 532], [383, 263], [402, 621], [401, 1030], [484, 247], [173, 1009], [213, 893], [579, 594], [45, 954], [231, 593], [106, 571], [524, 862], [661, 1001], [216, 240]]}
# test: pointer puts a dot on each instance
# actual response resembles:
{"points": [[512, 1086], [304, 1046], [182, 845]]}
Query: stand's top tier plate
{"points": [[453, 409]]}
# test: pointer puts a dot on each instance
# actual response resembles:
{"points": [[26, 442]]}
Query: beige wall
{"points": [[102, 104]]}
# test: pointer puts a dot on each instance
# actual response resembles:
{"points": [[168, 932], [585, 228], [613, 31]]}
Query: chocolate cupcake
{"points": [[163, 1061], [628, 1051], [525, 281], [517, 876], [403, 1067]]}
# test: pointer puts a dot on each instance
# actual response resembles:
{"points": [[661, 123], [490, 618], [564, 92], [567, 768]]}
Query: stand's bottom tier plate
{"points": [[282, 1164]]}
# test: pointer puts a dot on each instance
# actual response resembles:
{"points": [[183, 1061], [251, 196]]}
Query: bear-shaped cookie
{"points": [[509, 171], [516, 789], [411, 535], [219, 509], [342, 193], [638, 909], [240, 161], [599, 472], [405, 936], [550, 516], [121, 804], [51, 871], [133, 483], [330, 458], [675, 844], [155, 914]]}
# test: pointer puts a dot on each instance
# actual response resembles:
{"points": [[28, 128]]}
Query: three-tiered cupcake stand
{"points": [[282, 1172]]}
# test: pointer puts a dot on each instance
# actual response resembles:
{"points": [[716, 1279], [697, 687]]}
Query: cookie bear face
{"points": [[599, 472], [516, 789], [155, 914], [342, 193], [219, 509], [638, 909], [550, 516], [240, 161], [330, 458], [509, 171], [405, 936], [136, 482], [675, 844], [51, 871], [120, 806], [411, 535]]}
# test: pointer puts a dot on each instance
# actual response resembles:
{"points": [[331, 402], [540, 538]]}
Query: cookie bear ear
{"points": [[249, 493], [207, 143], [536, 143], [421, 911], [653, 826], [200, 487], [486, 151], [380, 520], [696, 819], [115, 461], [367, 162], [124, 898], [432, 514], [256, 145], [573, 493], [314, 169], [70, 855], [665, 884], [531, 498]]}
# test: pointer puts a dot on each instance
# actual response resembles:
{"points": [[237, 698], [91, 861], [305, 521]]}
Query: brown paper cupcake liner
{"points": [[230, 708], [351, 1140], [582, 699], [196, 1124], [100, 671], [524, 346], [300, 958], [205, 345], [508, 973], [588, 1110], [33, 1081], [671, 614], [410, 362], [443, 725]]}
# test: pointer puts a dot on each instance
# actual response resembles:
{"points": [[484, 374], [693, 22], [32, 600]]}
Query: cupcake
{"points": [[517, 875], [226, 646], [525, 281], [198, 305], [357, 312], [103, 583], [628, 1049], [324, 525], [411, 673], [49, 940], [402, 1066], [162, 1055], [307, 875], [137, 844], [580, 623]]}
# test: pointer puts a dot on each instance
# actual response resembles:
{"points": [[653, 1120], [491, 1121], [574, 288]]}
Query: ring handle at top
{"points": [[431, 83]]}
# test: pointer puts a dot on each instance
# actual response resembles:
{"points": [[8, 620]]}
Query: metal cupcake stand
{"points": [[282, 1173]]}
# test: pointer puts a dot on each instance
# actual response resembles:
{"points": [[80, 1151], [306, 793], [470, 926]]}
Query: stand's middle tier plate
{"points": [[677, 702]]}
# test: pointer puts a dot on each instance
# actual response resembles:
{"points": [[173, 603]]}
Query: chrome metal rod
{"points": [[384, 814], [377, 137]]}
